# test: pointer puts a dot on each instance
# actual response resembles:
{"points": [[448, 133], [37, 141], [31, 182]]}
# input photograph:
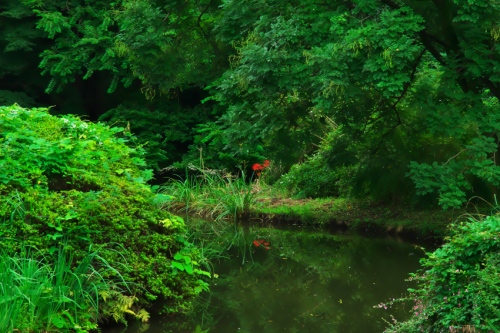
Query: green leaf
{"points": [[491, 326], [58, 321], [189, 268], [178, 265]]}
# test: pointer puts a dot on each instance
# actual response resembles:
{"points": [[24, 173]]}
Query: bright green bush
{"points": [[63, 178], [459, 284]]}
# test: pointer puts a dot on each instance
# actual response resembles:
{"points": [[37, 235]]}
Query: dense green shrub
{"points": [[349, 165], [460, 282], [66, 179], [316, 177], [311, 179]]}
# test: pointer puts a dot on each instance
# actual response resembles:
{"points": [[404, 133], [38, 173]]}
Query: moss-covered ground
{"points": [[362, 214]]}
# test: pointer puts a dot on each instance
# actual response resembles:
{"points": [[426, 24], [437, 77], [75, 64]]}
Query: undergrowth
{"points": [[459, 283], [212, 194], [62, 178], [40, 295]]}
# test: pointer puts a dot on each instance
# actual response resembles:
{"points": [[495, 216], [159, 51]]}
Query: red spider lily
{"points": [[258, 167], [261, 242]]}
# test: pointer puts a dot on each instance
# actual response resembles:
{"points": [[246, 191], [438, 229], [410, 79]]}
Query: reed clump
{"points": [[214, 195], [40, 294]]}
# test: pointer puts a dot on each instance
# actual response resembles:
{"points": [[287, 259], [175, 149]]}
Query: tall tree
{"points": [[357, 62], [164, 49]]}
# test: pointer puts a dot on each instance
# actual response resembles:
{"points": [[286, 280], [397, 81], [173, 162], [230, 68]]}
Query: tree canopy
{"points": [[411, 86]]}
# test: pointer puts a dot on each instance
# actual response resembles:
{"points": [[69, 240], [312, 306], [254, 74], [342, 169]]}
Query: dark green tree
{"points": [[165, 50], [396, 76], [358, 63]]}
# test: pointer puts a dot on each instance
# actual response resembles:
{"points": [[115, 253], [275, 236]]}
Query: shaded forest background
{"points": [[392, 100]]}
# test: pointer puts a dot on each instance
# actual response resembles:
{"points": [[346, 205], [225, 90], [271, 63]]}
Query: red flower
{"points": [[261, 241], [258, 166], [266, 243], [256, 243]]}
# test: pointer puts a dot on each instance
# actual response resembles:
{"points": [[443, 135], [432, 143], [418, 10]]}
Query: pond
{"points": [[298, 280]]}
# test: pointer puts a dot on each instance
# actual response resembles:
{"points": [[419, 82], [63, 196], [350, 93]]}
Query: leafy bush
{"points": [[311, 179], [459, 284], [317, 177], [349, 165], [62, 178]]}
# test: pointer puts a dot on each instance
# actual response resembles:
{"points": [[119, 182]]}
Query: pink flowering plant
{"points": [[459, 285]]}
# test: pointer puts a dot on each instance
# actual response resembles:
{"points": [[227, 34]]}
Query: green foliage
{"points": [[390, 74], [20, 44], [412, 86], [65, 178], [314, 177], [19, 37], [49, 295], [368, 166], [459, 283], [163, 130], [166, 44], [9, 98], [211, 194]]}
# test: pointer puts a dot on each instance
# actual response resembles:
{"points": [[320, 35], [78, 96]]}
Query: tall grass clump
{"points": [[212, 195], [43, 295]]}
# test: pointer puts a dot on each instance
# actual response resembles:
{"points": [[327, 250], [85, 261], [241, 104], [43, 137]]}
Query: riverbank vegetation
{"points": [[211, 195], [69, 184], [458, 284], [56, 294]]}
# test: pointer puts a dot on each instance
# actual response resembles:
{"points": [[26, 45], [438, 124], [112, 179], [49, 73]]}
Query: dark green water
{"points": [[307, 281]]}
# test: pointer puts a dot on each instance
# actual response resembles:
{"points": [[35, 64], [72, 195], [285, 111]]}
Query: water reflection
{"points": [[299, 281]]}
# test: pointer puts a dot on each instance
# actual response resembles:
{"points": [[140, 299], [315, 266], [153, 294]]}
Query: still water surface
{"points": [[298, 281]]}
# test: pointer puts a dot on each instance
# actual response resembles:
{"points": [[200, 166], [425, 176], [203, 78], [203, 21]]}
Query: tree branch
{"points": [[434, 38], [385, 134], [491, 86], [403, 93], [454, 157], [199, 18]]}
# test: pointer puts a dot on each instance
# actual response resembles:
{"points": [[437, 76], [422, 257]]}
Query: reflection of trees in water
{"points": [[327, 283], [264, 292]]}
